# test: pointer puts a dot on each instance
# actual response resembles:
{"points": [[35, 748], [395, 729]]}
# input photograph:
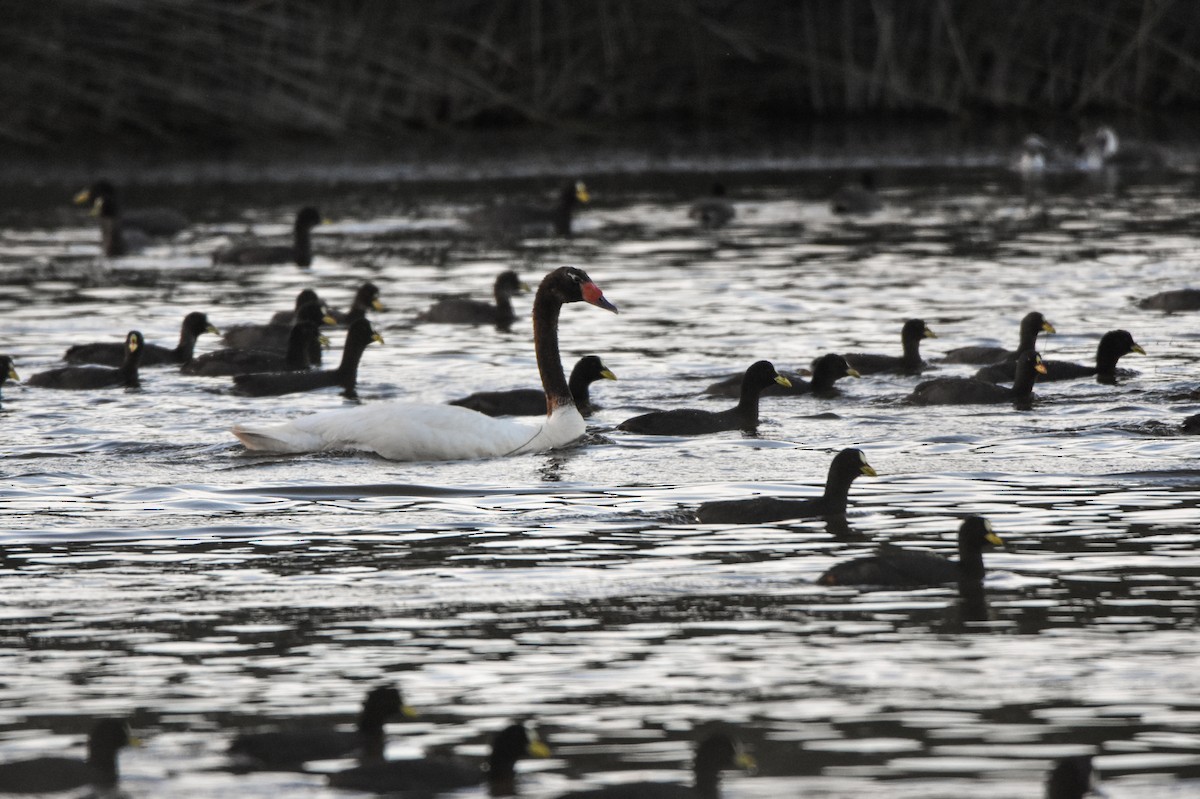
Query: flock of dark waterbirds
{"points": [[284, 355]]}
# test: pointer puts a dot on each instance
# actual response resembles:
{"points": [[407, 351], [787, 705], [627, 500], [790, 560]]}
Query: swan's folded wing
{"points": [[411, 432]]}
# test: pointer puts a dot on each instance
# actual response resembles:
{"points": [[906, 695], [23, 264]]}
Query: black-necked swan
{"points": [[409, 431]]}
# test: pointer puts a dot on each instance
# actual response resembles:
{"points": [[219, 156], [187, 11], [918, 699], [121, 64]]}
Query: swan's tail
{"points": [[276, 438]]}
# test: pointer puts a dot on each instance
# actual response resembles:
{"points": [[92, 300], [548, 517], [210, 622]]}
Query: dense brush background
{"points": [[204, 73]]}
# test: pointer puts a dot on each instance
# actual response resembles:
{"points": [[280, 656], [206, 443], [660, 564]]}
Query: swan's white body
{"points": [[410, 432]]}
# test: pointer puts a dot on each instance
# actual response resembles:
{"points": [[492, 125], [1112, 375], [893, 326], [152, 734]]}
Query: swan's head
{"points": [[571, 284]]}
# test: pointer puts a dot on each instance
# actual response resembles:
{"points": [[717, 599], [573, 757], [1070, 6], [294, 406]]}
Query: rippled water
{"points": [[152, 568]]}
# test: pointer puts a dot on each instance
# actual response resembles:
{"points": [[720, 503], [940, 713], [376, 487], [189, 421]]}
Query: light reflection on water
{"points": [[153, 569]]}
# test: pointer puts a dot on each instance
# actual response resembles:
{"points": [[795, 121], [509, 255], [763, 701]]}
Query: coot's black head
{"points": [[572, 284], [7, 370], [101, 188], [511, 744], [762, 374], [509, 283], [382, 703], [367, 296], [108, 736], [832, 366], [593, 369], [1030, 361], [1071, 778], [852, 463], [134, 342], [1116, 343], [975, 533], [915, 330], [308, 217], [105, 207], [718, 752], [197, 322], [314, 312], [305, 297], [1034, 323], [574, 191]]}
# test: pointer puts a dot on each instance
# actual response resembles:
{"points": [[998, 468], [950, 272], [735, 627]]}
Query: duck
{"points": [[113, 354], [257, 253], [431, 775], [1112, 346], [847, 465], [896, 566], [910, 362], [532, 402], [277, 337], [465, 311], [1032, 324], [413, 432], [1172, 301], [305, 338], [8, 370], [715, 753], [288, 750], [264, 384], [1071, 778], [713, 211], [857, 198], [161, 222], [695, 422], [973, 391], [85, 377], [827, 370], [54, 774], [521, 220], [1102, 148]]}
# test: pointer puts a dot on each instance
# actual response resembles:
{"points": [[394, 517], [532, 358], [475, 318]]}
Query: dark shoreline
{"points": [[907, 141]]}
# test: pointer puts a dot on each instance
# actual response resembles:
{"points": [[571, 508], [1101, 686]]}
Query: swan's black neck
{"points": [[546, 309]]}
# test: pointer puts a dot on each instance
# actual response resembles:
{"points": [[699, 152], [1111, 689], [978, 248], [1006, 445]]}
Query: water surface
{"points": [[153, 568]]}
